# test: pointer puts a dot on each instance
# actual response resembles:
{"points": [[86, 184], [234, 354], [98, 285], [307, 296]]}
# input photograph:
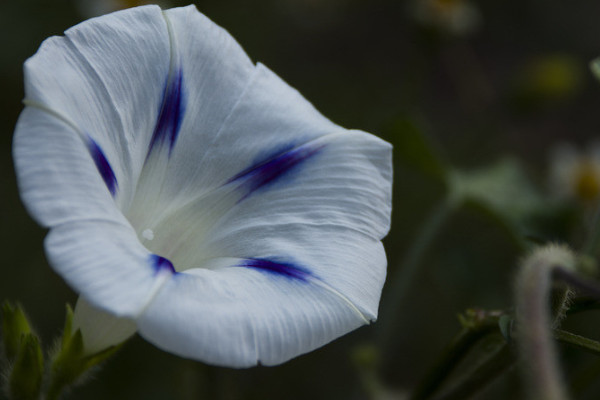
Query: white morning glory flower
{"points": [[196, 195]]}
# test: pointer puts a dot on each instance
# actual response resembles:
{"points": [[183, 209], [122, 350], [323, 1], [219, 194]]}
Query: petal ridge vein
{"points": [[124, 142], [100, 161], [172, 106]]}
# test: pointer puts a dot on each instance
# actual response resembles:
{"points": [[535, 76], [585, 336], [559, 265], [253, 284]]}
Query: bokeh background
{"points": [[480, 81]]}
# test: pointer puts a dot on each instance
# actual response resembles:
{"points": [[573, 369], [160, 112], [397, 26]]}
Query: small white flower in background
{"points": [[196, 196], [457, 17], [575, 174]]}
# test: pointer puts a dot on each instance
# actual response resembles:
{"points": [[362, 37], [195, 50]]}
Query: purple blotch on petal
{"points": [[287, 270], [171, 113], [161, 264], [106, 171], [271, 170]]}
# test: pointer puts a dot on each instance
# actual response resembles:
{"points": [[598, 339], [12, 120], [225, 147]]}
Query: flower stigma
{"points": [[148, 234]]}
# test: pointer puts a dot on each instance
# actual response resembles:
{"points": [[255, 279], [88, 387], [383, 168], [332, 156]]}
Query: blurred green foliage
{"points": [[499, 92]]}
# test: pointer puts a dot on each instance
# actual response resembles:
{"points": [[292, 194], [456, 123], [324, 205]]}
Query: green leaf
{"points": [[98, 358], [503, 191], [25, 380], [14, 326], [415, 150]]}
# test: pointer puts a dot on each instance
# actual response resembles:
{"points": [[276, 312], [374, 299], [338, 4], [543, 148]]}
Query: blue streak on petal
{"points": [[161, 264], [103, 166], [287, 270], [269, 171], [170, 115]]}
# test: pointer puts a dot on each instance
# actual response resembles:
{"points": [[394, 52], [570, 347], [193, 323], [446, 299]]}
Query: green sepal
{"points": [[98, 358], [70, 363], [14, 326], [67, 366], [68, 326], [25, 379]]}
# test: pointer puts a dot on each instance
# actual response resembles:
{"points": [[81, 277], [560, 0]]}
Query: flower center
{"points": [[587, 181]]}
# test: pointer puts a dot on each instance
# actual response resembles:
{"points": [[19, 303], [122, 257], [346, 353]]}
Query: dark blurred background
{"points": [[479, 80]]}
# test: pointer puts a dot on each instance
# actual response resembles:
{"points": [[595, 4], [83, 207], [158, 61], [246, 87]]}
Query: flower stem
{"points": [[460, 346], [488, 370], [580, 342], [503, 358]]}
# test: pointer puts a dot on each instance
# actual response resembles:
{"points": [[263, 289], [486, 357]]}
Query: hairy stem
{"points": [[534, 322]]}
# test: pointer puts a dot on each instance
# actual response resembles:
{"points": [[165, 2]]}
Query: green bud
{"points": [[25, 380], [14, 326]]}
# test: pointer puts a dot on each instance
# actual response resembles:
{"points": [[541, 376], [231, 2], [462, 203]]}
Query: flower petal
{"points": [[62, 176], [269, 117], [209, 72], [341, 179], [236, 317], [308, 262], [100, 329], [106, 263], [106, 77], [330, 215], [103, 166], [171, 113], [215, 72]]}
